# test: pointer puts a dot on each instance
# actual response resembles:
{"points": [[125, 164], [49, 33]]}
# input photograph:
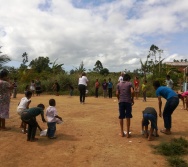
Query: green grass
{"points": [[174, 149]]}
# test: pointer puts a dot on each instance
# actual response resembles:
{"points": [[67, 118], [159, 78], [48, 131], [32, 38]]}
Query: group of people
{"points": [[125, 95]]}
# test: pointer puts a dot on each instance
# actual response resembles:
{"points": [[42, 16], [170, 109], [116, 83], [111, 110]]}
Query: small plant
{"points": [[173, 149]]}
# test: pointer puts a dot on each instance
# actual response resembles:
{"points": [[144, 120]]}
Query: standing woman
{"points": [[5, 93], [136, 87], [82, 84]]}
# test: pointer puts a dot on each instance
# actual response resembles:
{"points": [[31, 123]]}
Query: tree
{"points": [[81, 68], [104, 71], [40, 64], [24, 61], [98, 66], [56, 68], [3, 59]]}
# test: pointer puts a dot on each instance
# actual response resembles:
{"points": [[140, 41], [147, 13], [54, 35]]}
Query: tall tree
{"points": [[3, 59], [98, 66], [56, 68], [40, 64], [81, 68]]}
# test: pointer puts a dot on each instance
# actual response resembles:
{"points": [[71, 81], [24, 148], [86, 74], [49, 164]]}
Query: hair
{"points": [[156, 84], [41, 106], [3, 73], [83, 74], [126, 77], [28, 93], [167, 76], [52, 102], [145, 81]]}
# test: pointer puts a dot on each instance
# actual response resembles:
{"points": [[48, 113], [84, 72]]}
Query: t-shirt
{"points": [[120, 79], [169, 83], [165, 92], [110, 84], [83, 81], [23, 103], [104, 85], [150, 110], [124, 90], [51, 112], [144, 86], [35, 111]]}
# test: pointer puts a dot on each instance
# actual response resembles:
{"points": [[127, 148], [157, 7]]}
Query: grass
{"points": [[174, 149]]}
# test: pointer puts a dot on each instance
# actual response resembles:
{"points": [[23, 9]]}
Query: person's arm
{"points": [[117, 94], [160, 105], [58, 117], [132, 95], [28, 103], [39, 127], [42, 117]]}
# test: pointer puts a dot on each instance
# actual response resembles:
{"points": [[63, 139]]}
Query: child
{"points": [[24, 104], [26, 89], [184, 98], [144, 86], [32, 87], [104, 87], [51, 114], [29, 117], [150, 114], [56, 88], [71, 89], [15, 88]]}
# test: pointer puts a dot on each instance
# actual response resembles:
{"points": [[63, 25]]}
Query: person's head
{"points": [[136, 78], [83, 74], [4, 74], [109, 79], [15, 79], [52, 102], [27, 87], [145, 81], [126, 77], [96, 80], [32, 81], [156, 84], [41, 106], [28, 94], [104, 80], [122, 73], [168, 77]]}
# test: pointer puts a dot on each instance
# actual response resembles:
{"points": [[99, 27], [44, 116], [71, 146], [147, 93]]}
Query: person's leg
{"points": [[24, 127], [0, 123], [52, 127], [84, 93], [121, 117], [3, 127], [128, 126], [121, 127], [170, 106]]}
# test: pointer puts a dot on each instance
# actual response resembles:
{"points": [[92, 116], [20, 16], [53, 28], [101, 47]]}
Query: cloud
{"points": [[118, 33]]}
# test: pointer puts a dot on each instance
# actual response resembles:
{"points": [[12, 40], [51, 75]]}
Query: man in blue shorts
{"points": [[171, 104], [125, 96]]}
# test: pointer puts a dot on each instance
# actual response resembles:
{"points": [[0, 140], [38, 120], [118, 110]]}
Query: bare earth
{"points": [[89, 136]]}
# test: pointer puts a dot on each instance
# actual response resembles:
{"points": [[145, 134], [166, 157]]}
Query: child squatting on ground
{"points": [[24, 104], [150, 115], [29, 117], [52, 119]]}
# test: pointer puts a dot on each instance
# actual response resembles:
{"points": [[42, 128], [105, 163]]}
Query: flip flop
{"points": [[165, 132]]}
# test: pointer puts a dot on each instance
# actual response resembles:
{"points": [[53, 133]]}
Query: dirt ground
{"points": [[89, 136]]}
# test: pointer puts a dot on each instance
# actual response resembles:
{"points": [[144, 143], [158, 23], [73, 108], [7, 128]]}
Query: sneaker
{"points": [[54, 137]]}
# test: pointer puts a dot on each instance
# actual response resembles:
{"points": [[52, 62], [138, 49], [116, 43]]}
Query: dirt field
{"points": [[88, 137]]}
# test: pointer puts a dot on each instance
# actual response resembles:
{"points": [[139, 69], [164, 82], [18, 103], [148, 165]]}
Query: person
{"points": [[172, 102], [29, 117], [71, 88], [136, 87], [15, 88], [144, 88], [97, 85], [5, 93], [120, 79], [38, 87], [150, 115], [32, 87], [82, 84], [110, 87], [104, 88], [184, 98], [51, 115], [24, 104], [125, 96], [169, 82], [56, 88], [26, 89]]}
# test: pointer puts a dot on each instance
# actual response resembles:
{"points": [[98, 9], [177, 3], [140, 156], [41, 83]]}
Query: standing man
{"points": [[169, 82], [120, 79], [110, 87], [97, 84], [172, 102], [125, 96]]}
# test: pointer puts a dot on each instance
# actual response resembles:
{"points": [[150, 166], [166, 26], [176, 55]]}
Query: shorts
{"points": [[150, 117], [20, 110], [125, 110]]}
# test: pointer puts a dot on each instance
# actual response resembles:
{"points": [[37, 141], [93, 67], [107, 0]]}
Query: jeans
{"points": [[96, 92], [51, 129], [32, 125], [170, 106], [110, 92], [152, 118]]}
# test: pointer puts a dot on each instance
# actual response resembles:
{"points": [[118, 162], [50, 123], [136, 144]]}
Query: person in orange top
{"points": [[97, 84]]}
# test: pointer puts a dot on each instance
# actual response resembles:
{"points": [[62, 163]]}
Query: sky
{"points": [[118, 33]]}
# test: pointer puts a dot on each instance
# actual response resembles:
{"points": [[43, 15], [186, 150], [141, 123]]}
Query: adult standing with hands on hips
{"points": [[82, 84]]}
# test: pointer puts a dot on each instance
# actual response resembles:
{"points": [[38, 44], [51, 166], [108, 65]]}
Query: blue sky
{"points": [[117, 32]]}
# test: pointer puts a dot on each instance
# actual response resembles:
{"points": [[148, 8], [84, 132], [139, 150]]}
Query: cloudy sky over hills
{"points": [[117, 32]]}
